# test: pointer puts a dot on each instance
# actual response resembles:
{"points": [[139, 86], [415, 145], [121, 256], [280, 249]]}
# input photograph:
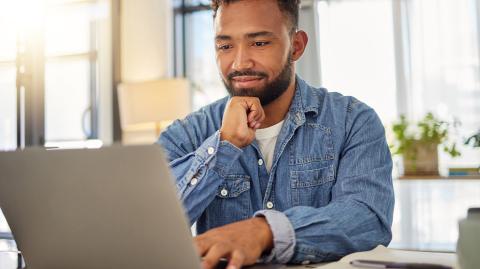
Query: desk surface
{"points": [[9, 260]]}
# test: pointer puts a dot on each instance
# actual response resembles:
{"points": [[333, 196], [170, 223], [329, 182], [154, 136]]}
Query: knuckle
{"points": [[240, 256]]}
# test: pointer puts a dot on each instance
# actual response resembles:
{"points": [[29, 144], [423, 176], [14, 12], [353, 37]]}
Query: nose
{"points": [[242, 60]]}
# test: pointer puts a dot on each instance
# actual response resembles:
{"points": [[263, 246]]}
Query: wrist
{"points": [[266, 235], [225, 136]]}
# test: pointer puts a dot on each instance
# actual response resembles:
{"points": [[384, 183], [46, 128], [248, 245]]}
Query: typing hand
{"points": [[242, 116], [241, 243]]}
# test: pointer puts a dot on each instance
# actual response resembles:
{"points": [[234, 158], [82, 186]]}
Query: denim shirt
{"points": [[329, 192]]}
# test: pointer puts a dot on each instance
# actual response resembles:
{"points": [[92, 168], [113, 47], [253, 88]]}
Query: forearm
{"points": [[198, 174], [340, 228]]}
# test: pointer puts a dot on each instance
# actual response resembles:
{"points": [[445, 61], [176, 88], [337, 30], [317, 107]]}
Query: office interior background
{"points": [[62, 63]]}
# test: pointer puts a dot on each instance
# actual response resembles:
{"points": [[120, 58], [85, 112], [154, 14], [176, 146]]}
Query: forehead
{"points": [[247, 16]]}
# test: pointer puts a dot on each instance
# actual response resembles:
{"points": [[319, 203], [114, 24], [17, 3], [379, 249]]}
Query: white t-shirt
{"points": [[267, 139]]}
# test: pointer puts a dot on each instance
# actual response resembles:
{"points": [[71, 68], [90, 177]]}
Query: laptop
{"points": [[114, 207]]}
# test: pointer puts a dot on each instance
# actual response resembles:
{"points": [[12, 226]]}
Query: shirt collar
{"points": [[305, 99]]}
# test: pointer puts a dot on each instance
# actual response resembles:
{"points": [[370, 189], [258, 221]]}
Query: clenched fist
{"points": [[242, 117]]}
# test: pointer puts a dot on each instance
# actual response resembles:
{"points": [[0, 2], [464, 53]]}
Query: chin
{"points": [[252, 92]]}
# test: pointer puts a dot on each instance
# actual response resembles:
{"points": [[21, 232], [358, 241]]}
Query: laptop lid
{"points": [[113, 207]]}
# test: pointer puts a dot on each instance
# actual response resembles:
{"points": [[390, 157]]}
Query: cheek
{"points": [[223, 65], [272, 62]]}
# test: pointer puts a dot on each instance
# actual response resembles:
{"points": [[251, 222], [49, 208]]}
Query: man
{"points": [[279, 171]]}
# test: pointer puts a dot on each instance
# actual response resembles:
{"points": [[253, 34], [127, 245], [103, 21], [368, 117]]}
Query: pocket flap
{"points": [[233, 186], [313, 177]]}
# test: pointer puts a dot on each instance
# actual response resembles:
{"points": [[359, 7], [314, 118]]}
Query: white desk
{"points": [[8, 260]]}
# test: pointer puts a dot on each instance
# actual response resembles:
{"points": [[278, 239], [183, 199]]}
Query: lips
{"points": [[246, 81]]}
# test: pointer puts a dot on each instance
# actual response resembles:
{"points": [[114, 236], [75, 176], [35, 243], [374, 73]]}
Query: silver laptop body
{"points": [[113, 207]]}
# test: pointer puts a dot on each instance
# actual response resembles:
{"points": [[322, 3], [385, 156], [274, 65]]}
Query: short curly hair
{"points": [[290, 9]]}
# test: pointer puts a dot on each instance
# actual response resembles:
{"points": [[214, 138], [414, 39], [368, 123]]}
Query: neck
{"points": [[276, 111]]}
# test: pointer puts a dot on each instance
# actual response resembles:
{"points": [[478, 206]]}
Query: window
{"points": [[49, 65], [195, 52], [8, 93], [201, 65], [70, 72], [357, 52], [444, 69]]}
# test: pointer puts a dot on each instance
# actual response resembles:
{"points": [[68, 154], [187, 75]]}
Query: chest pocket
{"points": [[312, 165], [312, 187], [232, 201]]}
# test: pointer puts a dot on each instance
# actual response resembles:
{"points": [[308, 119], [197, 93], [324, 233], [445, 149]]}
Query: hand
{"points": [[242, 243], [242, 117]]}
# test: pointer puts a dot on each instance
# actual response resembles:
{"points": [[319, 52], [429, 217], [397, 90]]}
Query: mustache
{"points": [[246, 73]]}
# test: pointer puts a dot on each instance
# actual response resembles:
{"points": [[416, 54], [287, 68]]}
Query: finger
{"points": [[202, 245], [236, 260], [254, 104], [252, 115], [214, 254], [260, 115], [256, 113]]}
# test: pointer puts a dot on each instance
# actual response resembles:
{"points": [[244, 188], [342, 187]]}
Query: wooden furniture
{"points": [[148, 107]]}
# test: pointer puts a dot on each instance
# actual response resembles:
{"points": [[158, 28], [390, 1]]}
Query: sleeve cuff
{"points": [[283, 236], [222, 153]]}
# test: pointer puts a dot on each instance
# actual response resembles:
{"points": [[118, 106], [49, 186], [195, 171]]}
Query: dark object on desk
{"points": [[473, 210], [396, 265], [266, 266], [224, 263], [469, 240]]}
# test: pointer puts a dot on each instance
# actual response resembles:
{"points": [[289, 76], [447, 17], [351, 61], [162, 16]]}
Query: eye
{"points": [[261, 43], [224, 47]]}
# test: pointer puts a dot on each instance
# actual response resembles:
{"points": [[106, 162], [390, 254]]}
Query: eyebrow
{"points": [[249, 35], [259, 34], [223, 37]]}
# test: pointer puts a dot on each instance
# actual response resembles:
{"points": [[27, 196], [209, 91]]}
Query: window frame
{"points": [[30, 86], [180, 12]]}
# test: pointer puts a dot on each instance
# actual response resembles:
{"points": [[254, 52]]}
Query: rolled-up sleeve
{"points": [[283, 236]]}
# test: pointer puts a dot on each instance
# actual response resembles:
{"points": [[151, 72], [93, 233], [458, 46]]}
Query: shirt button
{"points": [[269, 205], [194, 181], [260, 162], [306, 262], [224, 192], [210, 150]]}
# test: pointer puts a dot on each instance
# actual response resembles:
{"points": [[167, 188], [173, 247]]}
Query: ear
{"points": [[300, 40]]}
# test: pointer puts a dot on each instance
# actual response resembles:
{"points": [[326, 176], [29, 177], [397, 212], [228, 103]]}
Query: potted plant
{"points": [[418, 144]]}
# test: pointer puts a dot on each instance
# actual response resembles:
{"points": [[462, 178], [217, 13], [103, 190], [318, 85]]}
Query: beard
{"points": [[269, 92]]}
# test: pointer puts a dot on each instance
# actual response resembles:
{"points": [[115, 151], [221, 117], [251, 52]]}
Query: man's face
{"points": [[253, 48]]}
